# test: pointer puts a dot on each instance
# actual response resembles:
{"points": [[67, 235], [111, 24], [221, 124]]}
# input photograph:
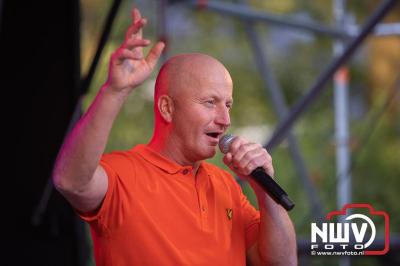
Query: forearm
{"points": [[277, 239], [84, 145]]}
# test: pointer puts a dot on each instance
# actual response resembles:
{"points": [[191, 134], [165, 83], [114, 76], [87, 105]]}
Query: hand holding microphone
{"points": [[248, 167]]}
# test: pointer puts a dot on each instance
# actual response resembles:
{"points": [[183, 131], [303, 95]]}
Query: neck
{"points": [[163, 142]]}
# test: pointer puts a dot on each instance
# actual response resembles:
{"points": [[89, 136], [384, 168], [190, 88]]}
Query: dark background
{"points": [[40, 84]]}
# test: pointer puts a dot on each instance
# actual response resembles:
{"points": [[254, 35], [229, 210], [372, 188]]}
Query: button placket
{"points": [[201, 180]]}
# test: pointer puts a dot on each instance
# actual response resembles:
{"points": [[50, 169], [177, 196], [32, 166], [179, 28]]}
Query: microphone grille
{"points": [[225, 142]]}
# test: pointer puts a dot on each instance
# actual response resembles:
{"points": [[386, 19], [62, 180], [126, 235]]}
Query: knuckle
{"points": [[242, 148], [238, 141], [235, 160], [248, 156], [267, 155], [131, 42], [115, 54], [249, 168], [233, 146]]}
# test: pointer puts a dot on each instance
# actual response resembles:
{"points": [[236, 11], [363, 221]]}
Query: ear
{"points": [[166, 107]]}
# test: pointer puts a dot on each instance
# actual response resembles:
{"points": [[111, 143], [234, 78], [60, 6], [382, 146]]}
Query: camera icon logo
{"points": [[353, 233]]}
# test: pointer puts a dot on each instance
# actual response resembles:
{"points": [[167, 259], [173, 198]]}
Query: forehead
{"points": [[215, 90], [211, 83], [197, 75]]}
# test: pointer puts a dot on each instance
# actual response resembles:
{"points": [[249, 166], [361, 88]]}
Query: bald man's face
{"points": [[201, 114]]}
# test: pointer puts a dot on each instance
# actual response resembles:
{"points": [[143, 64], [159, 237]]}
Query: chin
{"points": [[203, 153], [209, 153]]}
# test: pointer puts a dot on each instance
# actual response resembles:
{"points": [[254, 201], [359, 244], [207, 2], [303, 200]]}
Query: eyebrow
{"points": [[216, 96]]}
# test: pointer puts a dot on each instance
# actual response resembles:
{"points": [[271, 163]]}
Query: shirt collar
{"points": [[161, 161]]}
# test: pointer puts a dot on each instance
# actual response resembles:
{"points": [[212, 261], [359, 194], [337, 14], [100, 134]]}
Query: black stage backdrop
{"points": [[39, 86]]}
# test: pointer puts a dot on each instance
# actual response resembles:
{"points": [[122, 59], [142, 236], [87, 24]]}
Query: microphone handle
{"points": [[272, 188]]}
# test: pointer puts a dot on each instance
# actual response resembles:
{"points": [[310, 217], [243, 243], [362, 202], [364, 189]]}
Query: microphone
{"points": [[267, 183]]}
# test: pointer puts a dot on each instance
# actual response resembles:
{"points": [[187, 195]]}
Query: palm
{"points": [[128, 67], [129, 73]]}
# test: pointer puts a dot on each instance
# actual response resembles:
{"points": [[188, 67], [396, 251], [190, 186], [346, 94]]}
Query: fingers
{"points": [[256, 162], [244, 157], [121, 54], [128, 67], [227, 159], [128, 51], [154, 54], [133, 43], [135, 29], [133, 39], [243, 151], [136, 16]]}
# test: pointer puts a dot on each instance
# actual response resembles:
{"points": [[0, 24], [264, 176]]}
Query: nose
{"points": [[222, 117]]}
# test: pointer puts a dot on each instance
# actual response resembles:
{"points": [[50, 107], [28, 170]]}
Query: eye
{"points": [[210, 103]]}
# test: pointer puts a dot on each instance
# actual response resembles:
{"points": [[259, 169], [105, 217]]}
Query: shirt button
{"points": [[185, 171], [203, 208]]}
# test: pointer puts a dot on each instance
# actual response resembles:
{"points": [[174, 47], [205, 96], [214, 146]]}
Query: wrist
{"points": [[117, 94], [263, 199], [260, 193]]}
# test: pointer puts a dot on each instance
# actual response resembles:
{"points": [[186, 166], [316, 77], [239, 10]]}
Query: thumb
{"points": [[154, 54]]}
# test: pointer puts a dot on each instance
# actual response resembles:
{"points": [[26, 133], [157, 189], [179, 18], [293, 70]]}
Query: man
{"points": [[160, 203]]}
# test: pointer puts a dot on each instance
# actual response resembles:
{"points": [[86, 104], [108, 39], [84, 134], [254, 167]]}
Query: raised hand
{"points": [[128, 67]]}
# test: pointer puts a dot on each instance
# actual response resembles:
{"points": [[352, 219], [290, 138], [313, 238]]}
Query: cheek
{"points": [[199, 116], [194, 118]]}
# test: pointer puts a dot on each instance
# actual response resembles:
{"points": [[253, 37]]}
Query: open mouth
{"points": [[213, 134]]}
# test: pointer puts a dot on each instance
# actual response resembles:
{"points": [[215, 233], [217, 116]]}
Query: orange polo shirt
{"points": [[157, 212]]}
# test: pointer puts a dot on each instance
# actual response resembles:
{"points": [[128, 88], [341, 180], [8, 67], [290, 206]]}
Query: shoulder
{"points": [[120, 161], [116, 157]]}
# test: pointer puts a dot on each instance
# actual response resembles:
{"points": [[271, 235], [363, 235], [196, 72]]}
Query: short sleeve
{"points": [[251, 218], [121, 174]]}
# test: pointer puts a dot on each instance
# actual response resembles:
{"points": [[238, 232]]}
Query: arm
{"points": [[77, 174], [276, 244]]}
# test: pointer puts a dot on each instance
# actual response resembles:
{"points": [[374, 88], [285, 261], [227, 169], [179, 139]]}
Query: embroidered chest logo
{"points": [[229, 213]]}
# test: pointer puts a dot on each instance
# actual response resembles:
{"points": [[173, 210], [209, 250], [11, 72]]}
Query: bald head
{"points": [[186, 71], [193, 97]]}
